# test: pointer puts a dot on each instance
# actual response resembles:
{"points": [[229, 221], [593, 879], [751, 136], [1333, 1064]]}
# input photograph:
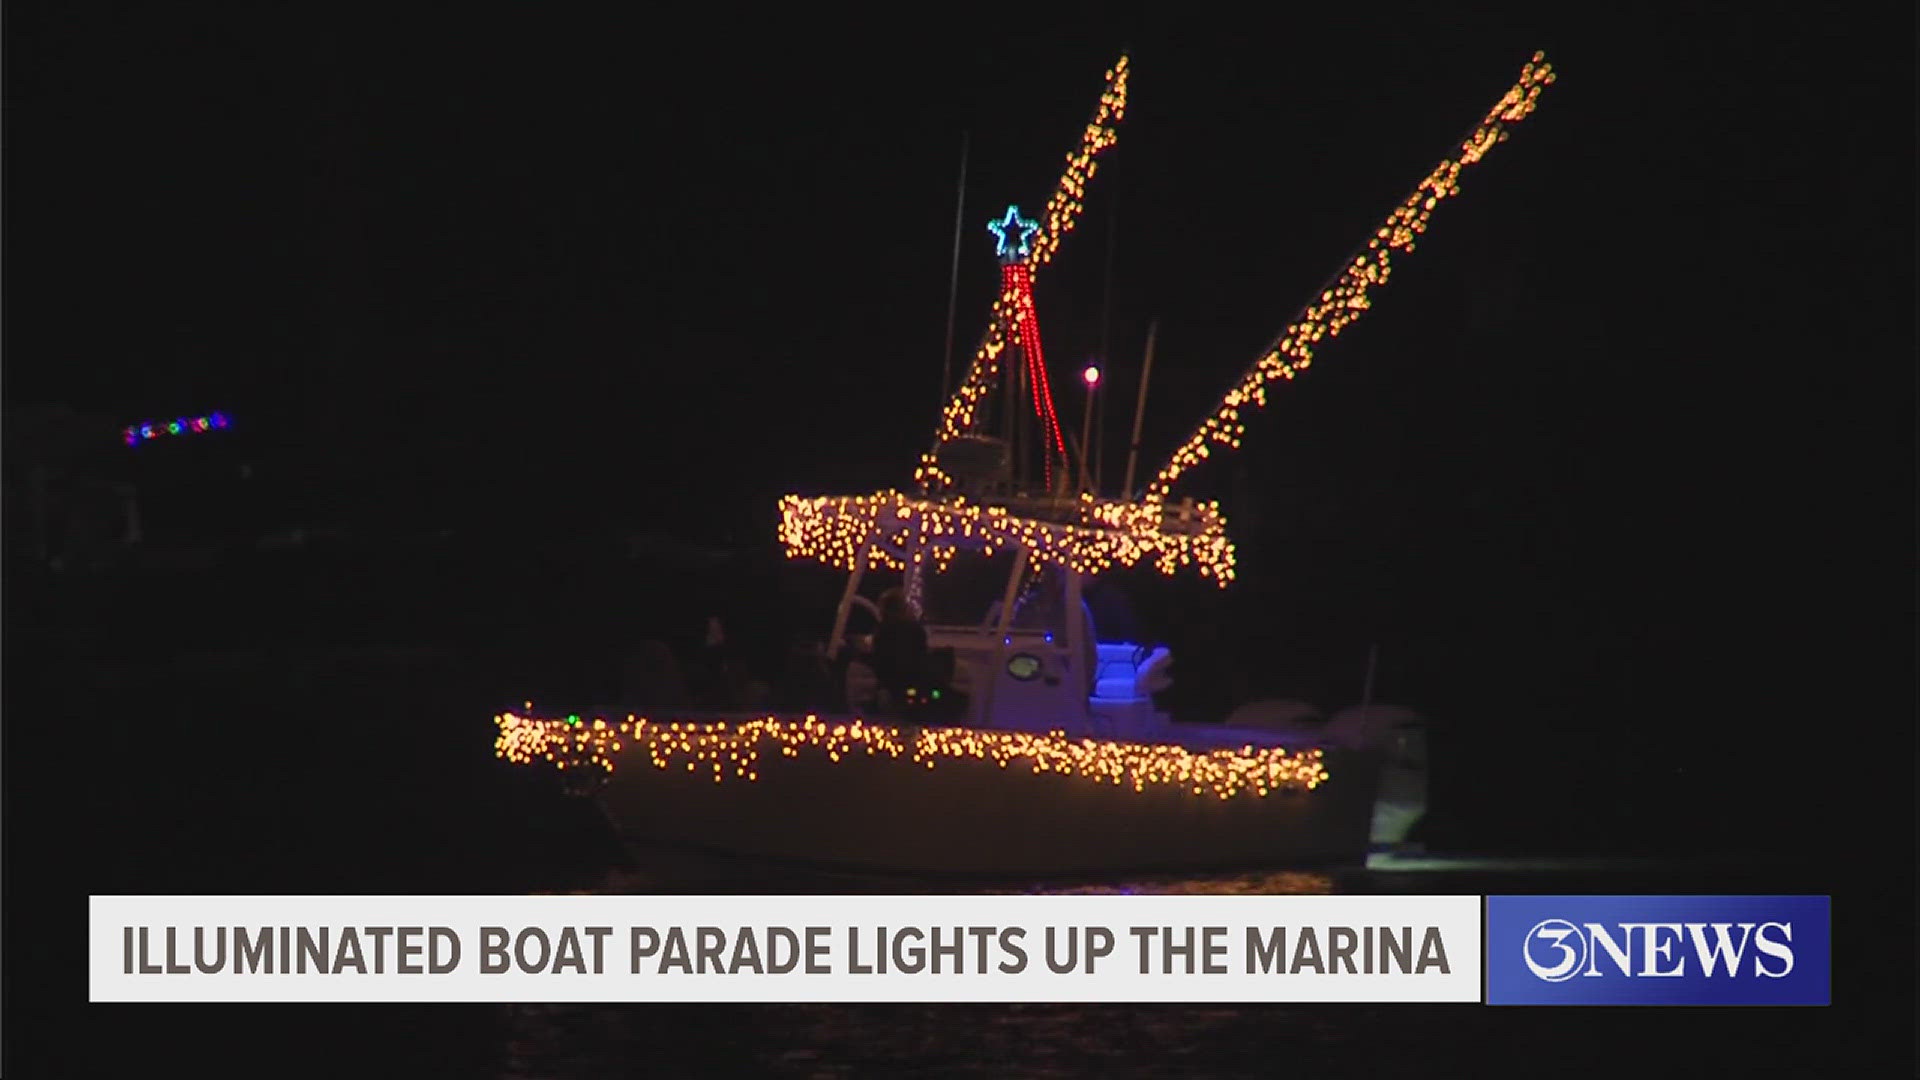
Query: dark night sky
{"points": [[1617, 473], [552, 268]]}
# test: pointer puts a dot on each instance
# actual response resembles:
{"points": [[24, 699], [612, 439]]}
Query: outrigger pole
{"points": [[1345, 296]]}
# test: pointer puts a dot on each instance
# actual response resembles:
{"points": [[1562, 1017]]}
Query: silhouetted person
{"points": [[899, 649]]}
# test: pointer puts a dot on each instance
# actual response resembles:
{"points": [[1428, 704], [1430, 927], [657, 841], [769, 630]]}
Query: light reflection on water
{"points": [[674, 871], [1261, 883], [917, 1040], [1257, 883], [835, 1040]]}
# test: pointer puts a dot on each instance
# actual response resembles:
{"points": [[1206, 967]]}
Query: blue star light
{"points": [[1010, 246]]}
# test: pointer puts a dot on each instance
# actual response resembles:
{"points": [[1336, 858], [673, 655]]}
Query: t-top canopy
{"points": [[1082, 535]]}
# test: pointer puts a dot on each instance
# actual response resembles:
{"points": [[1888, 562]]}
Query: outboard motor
{"points": [[1401, 735], [1155, 672]]}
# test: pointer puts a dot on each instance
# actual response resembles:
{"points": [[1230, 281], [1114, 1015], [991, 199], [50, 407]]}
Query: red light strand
{"points": [[1062, 211], [1017, 278]]}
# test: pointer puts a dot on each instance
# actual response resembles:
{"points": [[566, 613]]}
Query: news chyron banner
{"points": [[1658, 950], [997, 948]]}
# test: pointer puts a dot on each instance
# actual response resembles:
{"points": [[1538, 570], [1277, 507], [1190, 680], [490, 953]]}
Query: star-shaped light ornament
{"points": [[1012, 233]]}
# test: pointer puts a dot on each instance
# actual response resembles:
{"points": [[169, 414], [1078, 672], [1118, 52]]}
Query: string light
{"points": [[1012, 233], [1062, 211], [896, 531], [1344, 301], [719, 751], [1016, 279], [135, 434], [1064, 206]]}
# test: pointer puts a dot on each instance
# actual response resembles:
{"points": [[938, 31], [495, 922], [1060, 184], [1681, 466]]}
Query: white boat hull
{"points": [[968, 817]]}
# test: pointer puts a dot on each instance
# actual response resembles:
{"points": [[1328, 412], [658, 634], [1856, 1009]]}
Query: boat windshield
{"points": [[971, 591]]}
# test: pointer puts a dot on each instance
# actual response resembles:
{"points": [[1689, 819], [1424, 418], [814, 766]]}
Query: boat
{"points": [[1020, 742]]}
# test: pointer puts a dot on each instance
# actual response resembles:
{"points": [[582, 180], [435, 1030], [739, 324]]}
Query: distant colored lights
{"points": [[135, 434], [1091, 375]]}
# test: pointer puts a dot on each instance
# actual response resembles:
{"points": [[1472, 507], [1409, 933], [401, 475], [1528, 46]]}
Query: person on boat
{"points": [[899, 649]]}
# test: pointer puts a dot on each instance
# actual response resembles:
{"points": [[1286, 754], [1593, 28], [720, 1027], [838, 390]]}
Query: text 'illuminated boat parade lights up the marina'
{"points": [[723, 750]]}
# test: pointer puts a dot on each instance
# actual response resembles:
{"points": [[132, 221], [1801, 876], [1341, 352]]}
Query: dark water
{"points": [[275, 764]]}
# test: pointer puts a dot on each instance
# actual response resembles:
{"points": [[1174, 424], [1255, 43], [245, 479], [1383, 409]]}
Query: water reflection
{"points": [[814, 1040], [1264, 883], [834, 1040], [672, 871]]}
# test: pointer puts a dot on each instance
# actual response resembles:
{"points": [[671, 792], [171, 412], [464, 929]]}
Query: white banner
{"points": [[1015, 948]]}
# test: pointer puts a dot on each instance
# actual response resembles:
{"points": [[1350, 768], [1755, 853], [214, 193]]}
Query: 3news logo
{"points": [[1658, 950]]}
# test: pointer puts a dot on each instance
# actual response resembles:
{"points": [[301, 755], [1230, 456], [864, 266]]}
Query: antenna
{"points": [[1106, 335], [953, 281], [1139, 414], [1106, 299]]}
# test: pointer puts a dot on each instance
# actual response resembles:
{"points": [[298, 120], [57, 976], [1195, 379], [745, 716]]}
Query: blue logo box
{"points": [[1658, 950]]}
